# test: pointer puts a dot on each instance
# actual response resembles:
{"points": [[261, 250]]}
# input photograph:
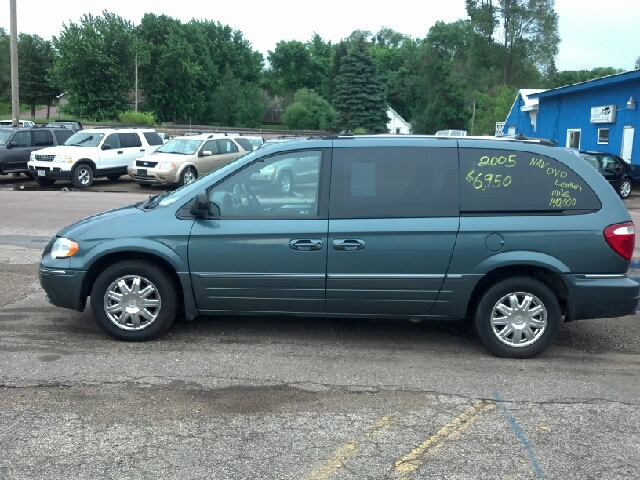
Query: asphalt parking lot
{"points": [[289, 398]]}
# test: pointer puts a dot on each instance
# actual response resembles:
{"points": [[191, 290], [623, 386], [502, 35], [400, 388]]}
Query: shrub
{"points": [[137, 118]]}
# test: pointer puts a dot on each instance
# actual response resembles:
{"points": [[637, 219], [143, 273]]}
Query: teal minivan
{"points": [[515, 236]]}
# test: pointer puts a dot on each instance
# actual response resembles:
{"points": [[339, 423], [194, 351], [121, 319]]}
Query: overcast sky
{"points": [[593, 33]]}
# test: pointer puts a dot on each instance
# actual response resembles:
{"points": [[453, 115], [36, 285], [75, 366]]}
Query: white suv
{"points": [[91, 153]]}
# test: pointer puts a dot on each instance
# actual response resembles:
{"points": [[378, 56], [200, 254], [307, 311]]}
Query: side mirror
{"points": [[200, 206], [11, 145], [204, 153], [106, 146]]}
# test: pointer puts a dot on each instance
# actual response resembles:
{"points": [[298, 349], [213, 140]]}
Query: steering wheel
{"points": [[251, 198]]}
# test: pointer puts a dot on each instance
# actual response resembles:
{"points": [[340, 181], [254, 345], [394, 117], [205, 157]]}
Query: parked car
{"points": [[614, 169], [183, 159], [93, 153], [74, 125], [16, 145], [254, 140], [451, 133], [513, 236], [22, 123]]}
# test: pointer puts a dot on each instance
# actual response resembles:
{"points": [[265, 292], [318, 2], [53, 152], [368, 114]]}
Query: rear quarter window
{"points": [[153, 138], [128, 140], [244, 143], [504, 181]]}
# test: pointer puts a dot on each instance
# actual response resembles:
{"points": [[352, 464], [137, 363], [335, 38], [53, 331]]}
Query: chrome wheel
{"points": [[188, 176], [519, 319], [132, 303], [83, 176], [625, 188]]}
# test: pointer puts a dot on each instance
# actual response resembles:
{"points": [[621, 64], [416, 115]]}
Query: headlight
{"points": [[63, 248], [167, 166], [268, 169], [62, 159]]}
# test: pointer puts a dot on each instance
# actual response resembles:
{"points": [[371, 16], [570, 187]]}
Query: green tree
{"points": [[237, 104], [439, 81], [516, 34], [291, 68], [95, 65], [360, 98], [492, 109], [5, 66], [36, 59], [569, 77], [309, 111]]}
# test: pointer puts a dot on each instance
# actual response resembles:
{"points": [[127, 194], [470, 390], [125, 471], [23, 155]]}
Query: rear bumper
{"points": [[601, 296]]}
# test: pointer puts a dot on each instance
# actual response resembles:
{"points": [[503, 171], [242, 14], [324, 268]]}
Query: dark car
{"points": [[74, 125], [17, 144], [613, 168]]}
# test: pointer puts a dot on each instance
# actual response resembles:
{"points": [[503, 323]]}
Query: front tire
{"points": [[82, 176], [134, 301], [624, 190], [518, 318], [188, 175]]}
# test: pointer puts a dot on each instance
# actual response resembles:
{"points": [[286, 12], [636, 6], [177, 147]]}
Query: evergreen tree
{"points": [[360, 98]]}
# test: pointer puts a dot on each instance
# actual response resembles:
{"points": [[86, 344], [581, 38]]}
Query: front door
{"points": [[627, 144], [259, 251], [17, 156], [393, 224]]}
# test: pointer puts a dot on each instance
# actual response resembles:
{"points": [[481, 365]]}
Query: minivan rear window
{"points": [[496, 181]]}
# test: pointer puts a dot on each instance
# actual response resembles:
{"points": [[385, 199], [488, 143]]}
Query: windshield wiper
{"points": [[153, 200]]}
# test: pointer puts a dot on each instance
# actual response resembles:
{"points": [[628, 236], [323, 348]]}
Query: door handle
{"points": [[142, 149], [348, 244], [120, 152], [305, 244]]}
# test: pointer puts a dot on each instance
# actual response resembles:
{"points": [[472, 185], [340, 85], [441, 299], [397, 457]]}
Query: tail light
{"points": [[621, 237]]}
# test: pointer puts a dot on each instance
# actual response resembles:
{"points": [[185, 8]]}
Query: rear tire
{"points": [[284, 184], [625, 188], [82, 176], [134, 301], [518, 318]]}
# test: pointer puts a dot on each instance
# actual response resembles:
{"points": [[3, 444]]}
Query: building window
{"points": [[603, 135]]}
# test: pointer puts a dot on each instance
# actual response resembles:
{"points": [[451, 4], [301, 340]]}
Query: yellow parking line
{"points": [[340, 456], [450, 431]]}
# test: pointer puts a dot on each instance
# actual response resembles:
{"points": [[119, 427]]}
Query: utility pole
{"points": [[136, 83], [13, 44]]}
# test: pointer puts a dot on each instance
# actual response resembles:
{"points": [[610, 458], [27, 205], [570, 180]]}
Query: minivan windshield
{"points": [[4, 136], [180, 146], [84, 139]]}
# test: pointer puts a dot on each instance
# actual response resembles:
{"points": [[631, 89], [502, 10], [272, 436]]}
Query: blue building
{"points": [[601, 114], [522, 118]]}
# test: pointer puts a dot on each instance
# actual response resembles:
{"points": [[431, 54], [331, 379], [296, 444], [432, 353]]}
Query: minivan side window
{"points": [[392, 182], [505, 181]]}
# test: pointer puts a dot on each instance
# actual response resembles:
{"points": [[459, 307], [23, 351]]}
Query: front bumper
{"points": [[141, 175], [63, 287], [601, 296], [49, 170]]}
